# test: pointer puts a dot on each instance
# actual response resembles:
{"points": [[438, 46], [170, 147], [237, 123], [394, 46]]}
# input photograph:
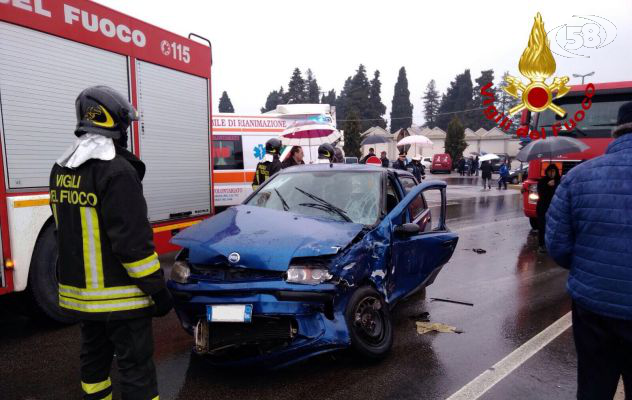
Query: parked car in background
{"points": [[518, 175], [499, 161], [441, 163], [427, 162], [311, 262], [351, 160]]}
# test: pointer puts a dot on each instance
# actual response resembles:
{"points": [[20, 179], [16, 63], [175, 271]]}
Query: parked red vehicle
{"points": [[594, 130], [441, 163]]}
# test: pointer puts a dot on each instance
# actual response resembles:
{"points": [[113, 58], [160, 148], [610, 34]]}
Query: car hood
{"points": [[264, 239]]}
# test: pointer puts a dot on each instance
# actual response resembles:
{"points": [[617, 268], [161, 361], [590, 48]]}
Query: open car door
{"points": [[420, 240]]}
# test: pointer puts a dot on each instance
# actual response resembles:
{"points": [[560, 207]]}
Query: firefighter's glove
{"points": [[163, 301]]}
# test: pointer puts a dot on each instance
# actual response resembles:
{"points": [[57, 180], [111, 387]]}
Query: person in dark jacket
{"points": [[371, 154], [108, 271], [417, 168], [294, 158], [486, 174], [461, 166], [400, 163], [270, 165], [589, 231], [546, 189], [385, 161]]}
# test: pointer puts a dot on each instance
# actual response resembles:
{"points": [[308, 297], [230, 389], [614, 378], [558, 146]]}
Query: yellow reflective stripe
{"points": [[91, 388], [54, 206], [108, 397], [115, 292], [97, 306], [156, 398], [92, 257], [85, 237], [144, 267], [96, 234]]}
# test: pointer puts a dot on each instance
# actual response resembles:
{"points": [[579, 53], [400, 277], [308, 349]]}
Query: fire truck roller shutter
{"points": [[40, 78], [174, 141]]}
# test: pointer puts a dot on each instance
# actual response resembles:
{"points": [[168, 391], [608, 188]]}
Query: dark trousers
{"points": [[132, 342], [604, 353], [541, 229], [502, 181]]}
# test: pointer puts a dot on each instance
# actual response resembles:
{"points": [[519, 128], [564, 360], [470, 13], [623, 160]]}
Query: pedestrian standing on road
{"points": [[400, 163], [468, 166], [294, 158], [477, 166], [486, 174], [589, 231], [108, 271], [472, 166], [371, 154], [547, 185], [384, 160], [417, 168], [503, 175], [270, 164], [461, 166]]}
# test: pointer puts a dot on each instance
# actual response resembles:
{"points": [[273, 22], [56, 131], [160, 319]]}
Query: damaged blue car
{"points": [[311, 262]]}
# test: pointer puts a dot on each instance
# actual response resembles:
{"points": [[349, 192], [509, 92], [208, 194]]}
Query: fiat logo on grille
{"points": [[234, 257]]}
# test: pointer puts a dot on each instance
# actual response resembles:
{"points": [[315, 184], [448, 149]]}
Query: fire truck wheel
{"points": [[533, 222], [42, 281]]}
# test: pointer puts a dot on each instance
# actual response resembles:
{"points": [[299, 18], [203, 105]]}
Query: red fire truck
{"points": [[594, 130], [50, 50]]}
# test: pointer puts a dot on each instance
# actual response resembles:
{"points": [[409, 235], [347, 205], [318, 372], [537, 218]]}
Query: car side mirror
{"points": [[408, 229]]}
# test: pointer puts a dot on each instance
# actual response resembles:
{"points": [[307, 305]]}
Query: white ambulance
{"points": [[239, 145]]}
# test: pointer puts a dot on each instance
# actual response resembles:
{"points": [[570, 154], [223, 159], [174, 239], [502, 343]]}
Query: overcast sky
{"points": [[257, 44]]}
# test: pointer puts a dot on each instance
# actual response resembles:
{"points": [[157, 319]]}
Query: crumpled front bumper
{"points": [[317, 312]]}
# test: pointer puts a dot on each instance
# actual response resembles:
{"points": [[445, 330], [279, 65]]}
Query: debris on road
{"points": [[425, 327], [424, 316], [465, 303], [479, 251]]}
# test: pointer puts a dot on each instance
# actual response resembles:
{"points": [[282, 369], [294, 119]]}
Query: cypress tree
{"points": [[478, 117], [352, 135], [311, 88], [274, 99], [329, 98], [402, 108], [376, 107], [455, 142], [296, 88], [225, 105], [431, 104], [456, 100]]}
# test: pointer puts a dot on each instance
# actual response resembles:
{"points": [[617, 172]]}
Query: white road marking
{"points": [[485, 381]]}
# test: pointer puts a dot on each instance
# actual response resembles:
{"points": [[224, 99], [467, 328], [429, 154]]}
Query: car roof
{"points": [[343, 168]]}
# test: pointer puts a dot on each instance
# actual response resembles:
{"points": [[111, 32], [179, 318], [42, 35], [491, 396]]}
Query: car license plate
{"points": [[229, 313]]}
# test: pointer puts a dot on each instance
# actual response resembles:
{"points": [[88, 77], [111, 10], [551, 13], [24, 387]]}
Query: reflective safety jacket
{"points": [[107, 265], [265, 170]]}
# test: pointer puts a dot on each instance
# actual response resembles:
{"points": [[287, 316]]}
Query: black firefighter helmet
{"points": [[104, 111], [326, 152], [273, 146]]}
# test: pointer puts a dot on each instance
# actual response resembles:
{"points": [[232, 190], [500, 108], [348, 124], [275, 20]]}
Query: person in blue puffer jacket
{"points": [[589, 231]]}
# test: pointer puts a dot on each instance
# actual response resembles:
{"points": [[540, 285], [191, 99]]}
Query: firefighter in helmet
{"points": [[326, 153], [109, 274], [270, 164]]}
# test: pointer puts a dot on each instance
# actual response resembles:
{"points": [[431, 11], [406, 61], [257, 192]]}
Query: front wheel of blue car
{"points": [[369, 323]]}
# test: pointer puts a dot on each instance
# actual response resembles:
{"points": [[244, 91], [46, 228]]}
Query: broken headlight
{"points": [[180, 272], [307, 275]]}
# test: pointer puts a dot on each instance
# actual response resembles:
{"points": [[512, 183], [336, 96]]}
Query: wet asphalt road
{"points": [[516, 294]]}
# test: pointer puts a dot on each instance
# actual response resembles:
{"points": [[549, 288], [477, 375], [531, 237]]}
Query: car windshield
{"points": [[337, 195], [598, 121]]}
